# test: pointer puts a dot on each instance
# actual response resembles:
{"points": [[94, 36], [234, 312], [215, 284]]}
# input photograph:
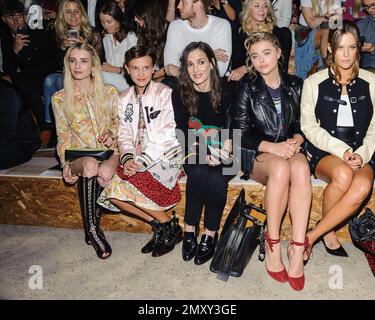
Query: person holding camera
{"points": [[27, 60], [86, 117]]}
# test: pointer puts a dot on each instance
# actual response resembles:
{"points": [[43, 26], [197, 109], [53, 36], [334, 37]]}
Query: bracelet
{"points": [[171, 9]]}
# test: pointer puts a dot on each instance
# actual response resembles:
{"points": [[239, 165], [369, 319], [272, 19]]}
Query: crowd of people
{"points": [[163, 84]]}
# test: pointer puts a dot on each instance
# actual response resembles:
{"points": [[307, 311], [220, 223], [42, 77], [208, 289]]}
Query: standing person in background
{"points": [[117, 40], [283, 12], [86, 117], [201, 100], [337, 117], [197, 25]]}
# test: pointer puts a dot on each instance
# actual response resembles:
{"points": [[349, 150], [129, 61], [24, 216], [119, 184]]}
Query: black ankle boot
{"points": [[172, 233], [156, 237], [88, 189], [189, 245], [206, 249]]}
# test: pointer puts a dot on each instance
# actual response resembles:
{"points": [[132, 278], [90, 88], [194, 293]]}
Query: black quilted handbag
{"points": [[241, 235], [98, 154], [362, 231]]}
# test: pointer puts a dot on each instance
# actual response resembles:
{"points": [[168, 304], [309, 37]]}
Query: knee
{"points": [[280, 171], [361, 189], [300, 172], [105, 176], [90, 168], [342, 177]]}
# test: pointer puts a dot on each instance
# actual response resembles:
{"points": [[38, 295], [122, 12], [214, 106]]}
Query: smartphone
{"points": [[73, 33], [22, 31]]}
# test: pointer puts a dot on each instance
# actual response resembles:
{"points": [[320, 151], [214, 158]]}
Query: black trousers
{"points": [[206, 187]]}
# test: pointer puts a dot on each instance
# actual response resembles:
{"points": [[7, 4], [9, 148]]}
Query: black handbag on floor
{"points": [[362, 231], [241, 235]]}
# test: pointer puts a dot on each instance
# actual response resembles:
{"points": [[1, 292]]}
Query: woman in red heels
{"points": [[266, 110], [338, 120]]}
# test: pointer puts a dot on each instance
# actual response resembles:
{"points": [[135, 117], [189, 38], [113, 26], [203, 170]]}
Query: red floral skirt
{"points": [[151, 188]]}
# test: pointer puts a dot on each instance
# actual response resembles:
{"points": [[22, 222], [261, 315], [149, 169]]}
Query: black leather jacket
{"points": [[254, 112]]}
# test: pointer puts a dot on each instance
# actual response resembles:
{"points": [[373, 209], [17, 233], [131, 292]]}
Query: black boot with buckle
{"points": [[88, 190], [172, 234], [206, 249], [156, 237]]}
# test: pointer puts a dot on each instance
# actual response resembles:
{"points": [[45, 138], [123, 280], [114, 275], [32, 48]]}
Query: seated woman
{"points": [[266, 109], [146, 182], [117, 40], [258, 16], [315, 14], [71, 16], [337, 118], [202, 100], [86, 117]]}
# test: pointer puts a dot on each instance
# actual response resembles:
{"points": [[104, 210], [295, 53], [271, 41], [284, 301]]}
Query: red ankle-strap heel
{"points": [[298, 283], [280, 276]]}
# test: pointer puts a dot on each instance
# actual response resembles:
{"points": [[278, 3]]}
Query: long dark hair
{"points": [[114, 10], [153, 33], [186, 89], [334, 39]]}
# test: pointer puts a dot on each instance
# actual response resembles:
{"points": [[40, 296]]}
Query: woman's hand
{"points": [[237, 74], [68, 174], [284, 149], [109, 68], [221, 55], [172, 70], [106, 138], [131, 167], [68, 41], [212, 161], [354, 160]]}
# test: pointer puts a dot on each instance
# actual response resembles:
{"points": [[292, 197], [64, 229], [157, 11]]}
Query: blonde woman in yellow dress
{"points": [[86, 117]]}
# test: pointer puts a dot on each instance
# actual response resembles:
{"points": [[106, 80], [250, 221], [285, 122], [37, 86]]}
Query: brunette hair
{"points": [[334, 40], [139, 52], [185, 86]]}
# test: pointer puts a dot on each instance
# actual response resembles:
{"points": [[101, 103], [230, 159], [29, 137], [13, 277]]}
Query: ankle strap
{"points": [[270, 241], [305, 244]]}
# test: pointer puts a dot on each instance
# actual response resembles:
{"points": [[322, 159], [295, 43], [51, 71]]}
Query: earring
{"points": [[92, 74]]}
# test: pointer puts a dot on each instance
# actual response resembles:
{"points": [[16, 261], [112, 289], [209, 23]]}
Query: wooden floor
{"points": [[34, 194]]}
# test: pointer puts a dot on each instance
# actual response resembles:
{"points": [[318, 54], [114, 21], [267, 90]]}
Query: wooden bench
{"points": [[32, 195]]}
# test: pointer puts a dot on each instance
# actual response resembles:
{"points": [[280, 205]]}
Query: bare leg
{"points": [[321, 42], [273, 171], [106, 170], [86, 166], [360, 186], [145, 214], [339, 176], [299, 208]]}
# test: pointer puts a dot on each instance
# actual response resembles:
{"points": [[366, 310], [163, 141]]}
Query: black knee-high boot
{"points": [[89, 189]]}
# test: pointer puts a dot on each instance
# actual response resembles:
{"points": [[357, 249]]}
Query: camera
{"points": [[73, 34]]}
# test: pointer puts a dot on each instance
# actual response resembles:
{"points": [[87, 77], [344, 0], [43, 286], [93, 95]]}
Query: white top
{"points": [[307, 3], [115, 52], [283, 12], [344, 114], [91, 5], [217, 33]]}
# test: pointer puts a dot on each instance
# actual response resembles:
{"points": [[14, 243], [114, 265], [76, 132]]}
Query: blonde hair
{"points": [[316, 6], [253, 39], [96, 76], [246, 20], [61, 26]]}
